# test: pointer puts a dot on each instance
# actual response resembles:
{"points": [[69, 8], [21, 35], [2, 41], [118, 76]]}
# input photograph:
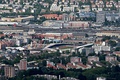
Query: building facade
{"points": [[23, 64], [100, 18], [9, 71]]}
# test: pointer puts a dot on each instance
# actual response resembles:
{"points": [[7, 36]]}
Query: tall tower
{"points": [[9, 71], [23, 64]]}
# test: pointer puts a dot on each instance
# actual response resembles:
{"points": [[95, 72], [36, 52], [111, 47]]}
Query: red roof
{"points": [[71, 65], [82, 65], [61, 66], [51, 66]]}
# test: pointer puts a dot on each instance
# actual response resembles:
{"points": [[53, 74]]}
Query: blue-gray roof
{"points": [[87, 14]]}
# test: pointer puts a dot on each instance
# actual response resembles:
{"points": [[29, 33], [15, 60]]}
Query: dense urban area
{"points": [[59, 39]]}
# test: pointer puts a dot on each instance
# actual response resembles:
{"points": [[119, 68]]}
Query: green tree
{"points": [[2, 37], [113, 7], [91, 54], [91, 74], [61, 8], [21, 2], [112, 43], [86, 35], [44, 63], [101, 57], [1, 1], [1, 32], [117, 49], [106, 38], [84, 60]]}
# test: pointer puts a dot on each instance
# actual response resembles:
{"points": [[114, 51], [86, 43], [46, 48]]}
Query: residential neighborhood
{"points": [[59, 39]]}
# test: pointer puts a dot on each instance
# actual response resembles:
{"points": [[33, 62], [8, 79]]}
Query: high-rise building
{"points": [[23, 64], [9, 71]]}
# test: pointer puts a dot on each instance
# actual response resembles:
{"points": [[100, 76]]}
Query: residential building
{"points": [[85, 8], [3, 5], [32, 67], [9, 71], [60, 66], [112, 16], [54, 7], [117, 53], [72, 16], [23, 64], [79, 24], [111, 33], [46, 5], [4, 44], [50, 65], [3, 77], [65, 17], [75, 59], [71, 66], [88, 51], [99, 48], [110, 58], [68, 17], [93, 58], [82, 66], [68, 9]]}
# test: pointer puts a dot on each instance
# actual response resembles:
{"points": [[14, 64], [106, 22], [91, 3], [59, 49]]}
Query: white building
{"points": [[54, 7], [99, 48], [101, 78], [23, 10], [68, 9], [31, 31], [3, 5], [18, 42], [110, 58]]}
